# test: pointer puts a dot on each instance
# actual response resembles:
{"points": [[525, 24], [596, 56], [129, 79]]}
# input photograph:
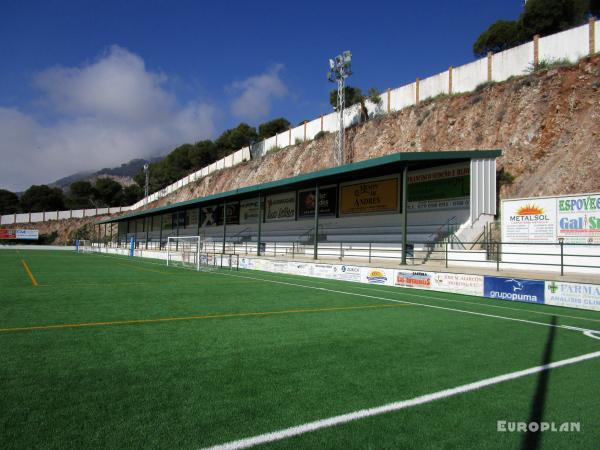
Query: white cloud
{"points": [[107, 112], [257, 94]]}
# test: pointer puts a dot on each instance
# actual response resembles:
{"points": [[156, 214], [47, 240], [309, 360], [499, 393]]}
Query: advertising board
{"points": [[8, 234], [372, 275], [19, 234], [413, 279], [579, 218], [529, 220], [249, 211], [280, 207], [519, 290], [369, 196], [327, 202], [573, 295], [458, 283], [28, 235], [348, 273], [445, 187], [574, 218]]}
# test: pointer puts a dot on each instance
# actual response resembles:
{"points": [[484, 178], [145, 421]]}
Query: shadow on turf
{"points": [[531, 440]]}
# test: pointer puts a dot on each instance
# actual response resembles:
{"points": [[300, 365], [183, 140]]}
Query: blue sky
{"points": [[90, 84]]}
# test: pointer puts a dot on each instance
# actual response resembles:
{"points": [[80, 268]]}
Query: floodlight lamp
{"points": [[331, 64], [146, 167]]}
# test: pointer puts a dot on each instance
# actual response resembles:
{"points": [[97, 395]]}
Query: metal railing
{"points": [[493, 254]]}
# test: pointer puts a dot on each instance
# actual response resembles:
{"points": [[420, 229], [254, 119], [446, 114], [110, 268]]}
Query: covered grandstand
{"points": [[395, 206]]}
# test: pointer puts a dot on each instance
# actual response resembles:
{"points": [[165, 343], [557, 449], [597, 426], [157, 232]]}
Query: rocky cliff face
{"points": [[547, 125]]}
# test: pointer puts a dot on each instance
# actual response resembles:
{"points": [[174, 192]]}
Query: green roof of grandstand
{"points": [[405, 157]]}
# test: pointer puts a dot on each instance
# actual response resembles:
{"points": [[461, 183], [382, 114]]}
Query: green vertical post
{"points": [[147, 228], [224, 226], [404, 213], [177, 229], [260, 217], [198, 228], [317, 201], [160, 217]]}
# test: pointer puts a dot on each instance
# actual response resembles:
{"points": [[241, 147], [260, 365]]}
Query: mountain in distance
{"points": [[122, 174]]}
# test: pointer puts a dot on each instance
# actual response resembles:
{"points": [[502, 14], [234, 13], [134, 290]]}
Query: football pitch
{"points": [[101, 351]]}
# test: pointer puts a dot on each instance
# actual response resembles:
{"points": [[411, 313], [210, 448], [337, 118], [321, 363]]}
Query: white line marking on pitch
{"points": [[585, 331], [396, 406]]}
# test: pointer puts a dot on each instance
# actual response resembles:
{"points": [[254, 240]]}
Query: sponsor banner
{"points": [[213, 215], [579, 219], [348, 273], [327, 202], [20, 234], [8, 234], [529, 220], [209, 216], [513, 289], [263, 264], [246, 263], [369, 196], [574, 218], [296, 268], [280, 266], [281, 207], [232, 211], [30, 235], [573, 295], [371, 275], [446, 187], [458, 283], [453, 203], [413, 279], [249, 211], [321, 270]]}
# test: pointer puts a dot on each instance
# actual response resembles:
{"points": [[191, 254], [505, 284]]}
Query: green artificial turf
{"points": [[206, 381]]}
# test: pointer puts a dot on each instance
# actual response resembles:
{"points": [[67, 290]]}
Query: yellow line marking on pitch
{"points": [[211, 316], [31, 277]]}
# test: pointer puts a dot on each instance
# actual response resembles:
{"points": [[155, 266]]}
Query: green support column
{"points": [[198, 232], [317, 202], [111, 234], [160, 217], [260, 217], [224, 225], [147, 229], [404, 213], [177, 221]]}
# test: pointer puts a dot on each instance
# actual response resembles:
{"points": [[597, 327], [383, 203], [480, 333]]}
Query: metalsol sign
{"points": [[529, 220]]}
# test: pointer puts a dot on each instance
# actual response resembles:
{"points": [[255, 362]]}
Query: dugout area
{"points": [[105, 351]]}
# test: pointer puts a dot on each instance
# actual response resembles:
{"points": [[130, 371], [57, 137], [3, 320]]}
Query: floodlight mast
{"points": [[147, 172], [339, 70]]}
